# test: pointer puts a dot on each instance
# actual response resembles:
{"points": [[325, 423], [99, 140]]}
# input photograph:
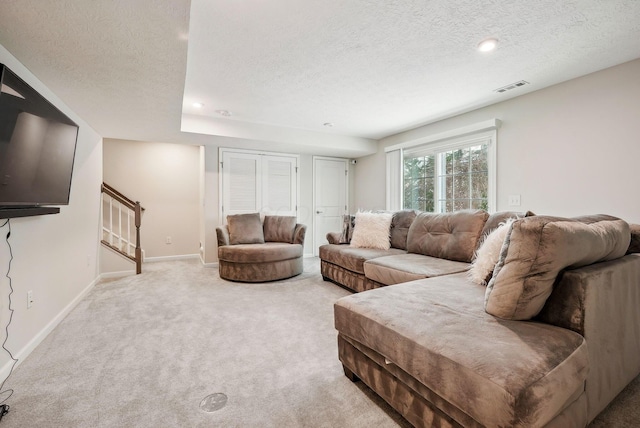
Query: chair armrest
{"points": [[223, 235], [334, 238], [298, 234]]}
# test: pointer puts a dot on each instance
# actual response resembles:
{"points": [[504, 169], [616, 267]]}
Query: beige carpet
{"points": [[143, 351]]}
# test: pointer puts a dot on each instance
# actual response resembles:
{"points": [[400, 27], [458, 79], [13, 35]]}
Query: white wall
{"points": [[569, 149], [165, 178], [211, 204], [55, 256]]}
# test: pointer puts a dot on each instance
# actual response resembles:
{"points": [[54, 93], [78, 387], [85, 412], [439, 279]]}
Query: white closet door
{"points": [[241, 186], [279, 185], [258, 182]]}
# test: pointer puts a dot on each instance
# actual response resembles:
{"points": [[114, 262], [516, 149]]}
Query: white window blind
{"points": [[394, 180]]}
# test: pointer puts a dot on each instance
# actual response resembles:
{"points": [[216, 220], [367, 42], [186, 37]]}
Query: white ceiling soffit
{"points": [[285, 67], [375, 68]]}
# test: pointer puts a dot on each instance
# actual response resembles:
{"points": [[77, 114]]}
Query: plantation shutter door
{"points": [[279, 185], [253, 182], [241, 187]]}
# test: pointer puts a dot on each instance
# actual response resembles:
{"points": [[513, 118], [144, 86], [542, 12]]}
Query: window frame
{"points": [[473, 135]]}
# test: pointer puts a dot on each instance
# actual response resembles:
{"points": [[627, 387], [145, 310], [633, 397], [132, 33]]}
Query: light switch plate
{"points": [[514, 200]]}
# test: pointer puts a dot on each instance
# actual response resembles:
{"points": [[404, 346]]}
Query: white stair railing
{"points": [[121, 219]]}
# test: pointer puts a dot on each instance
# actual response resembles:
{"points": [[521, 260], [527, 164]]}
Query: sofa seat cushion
{"points": [[400, 268], [259, 253], [352, 258], [500, 373]]}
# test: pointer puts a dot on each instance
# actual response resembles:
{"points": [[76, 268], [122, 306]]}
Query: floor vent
{"points": [[512, 86], [213, 402]]}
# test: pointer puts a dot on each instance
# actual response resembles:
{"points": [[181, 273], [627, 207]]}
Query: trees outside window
{"points": [[448, 180]]}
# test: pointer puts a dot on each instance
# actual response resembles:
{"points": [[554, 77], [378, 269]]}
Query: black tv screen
{"points": [[37, 146]]}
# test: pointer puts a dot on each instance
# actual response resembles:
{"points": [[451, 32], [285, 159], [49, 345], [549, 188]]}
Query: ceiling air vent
{"points": [[512, 86]]}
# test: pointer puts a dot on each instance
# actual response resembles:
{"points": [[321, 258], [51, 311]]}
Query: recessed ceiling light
{"points": [[225, 113], [487, 45], [198, 105], [328, 124]]}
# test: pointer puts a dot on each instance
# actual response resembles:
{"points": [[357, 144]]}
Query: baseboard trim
{"points": [[169, 258], [308, 255], [118, 274], [38, 338], [210, 265]]}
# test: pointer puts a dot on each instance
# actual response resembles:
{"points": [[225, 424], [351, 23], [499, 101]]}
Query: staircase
{"points": [[121, 219]]}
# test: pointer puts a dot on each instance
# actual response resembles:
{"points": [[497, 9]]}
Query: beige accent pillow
{"points": [[488, 254], [536, 249], [372, 230], [245, 229]]}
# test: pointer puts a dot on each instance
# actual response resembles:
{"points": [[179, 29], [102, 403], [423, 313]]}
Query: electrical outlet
{"points": [[168, 240], [88, 260], [514, 200], [29, 298]]}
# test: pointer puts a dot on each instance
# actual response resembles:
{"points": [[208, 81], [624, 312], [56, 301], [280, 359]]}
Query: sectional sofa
{"points": [[547, 337]]}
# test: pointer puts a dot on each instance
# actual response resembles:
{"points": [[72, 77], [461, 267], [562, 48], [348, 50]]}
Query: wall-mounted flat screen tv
{"points": [[37, 146]]}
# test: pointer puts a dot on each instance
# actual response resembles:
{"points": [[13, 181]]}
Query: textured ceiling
{"points": [[284, 67]]}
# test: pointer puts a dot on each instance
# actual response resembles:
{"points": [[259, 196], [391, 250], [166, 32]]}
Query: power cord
{"points": [[4, 408]]}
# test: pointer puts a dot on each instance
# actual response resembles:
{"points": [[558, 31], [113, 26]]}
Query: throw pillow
{"points": [[347, 228], [488, 254], [279, 228], [372, 230], [245, 229], [536, 249]]}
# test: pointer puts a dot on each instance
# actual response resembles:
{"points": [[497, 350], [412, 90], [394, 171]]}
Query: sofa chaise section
{"points": [[499, 373]]}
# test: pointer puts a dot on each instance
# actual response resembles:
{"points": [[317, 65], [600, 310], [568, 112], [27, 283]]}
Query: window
{"points": [[448, 172], [446, 181]]}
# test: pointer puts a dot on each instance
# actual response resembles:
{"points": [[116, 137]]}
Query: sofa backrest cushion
{"points": [[400, 224], [245, 229], [498, 218], [451, 236], [536, 249], [634, 245], [278, 228]]}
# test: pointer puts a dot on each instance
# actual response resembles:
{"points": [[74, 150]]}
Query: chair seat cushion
{"points": [[352, 258], [499, 372], [400, 268], [259, 253]]}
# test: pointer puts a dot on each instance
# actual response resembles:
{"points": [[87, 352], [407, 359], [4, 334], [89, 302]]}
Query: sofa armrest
{"points": [[334, 238], [299, 233], [223, 235], [601, 301]]}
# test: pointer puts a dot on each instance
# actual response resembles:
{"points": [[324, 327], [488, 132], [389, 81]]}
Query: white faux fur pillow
{"points": [[488, 254], [372, 230]]}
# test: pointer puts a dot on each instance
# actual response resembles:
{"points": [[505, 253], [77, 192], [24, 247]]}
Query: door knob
{"points": [[318, 212]]}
